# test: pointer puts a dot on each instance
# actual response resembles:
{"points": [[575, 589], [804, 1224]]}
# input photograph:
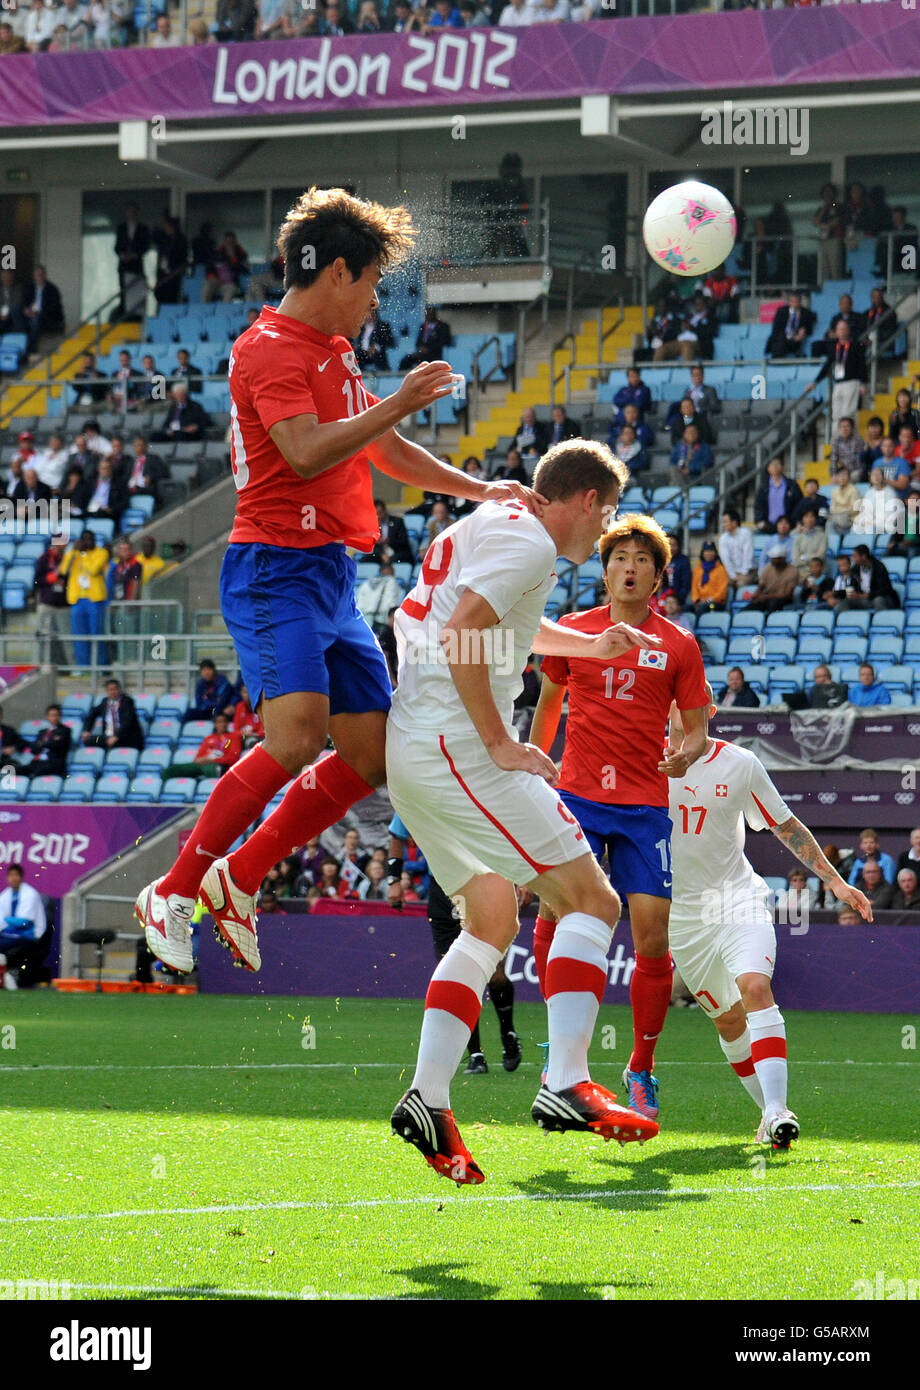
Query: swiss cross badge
{"points": [[721, 789]]}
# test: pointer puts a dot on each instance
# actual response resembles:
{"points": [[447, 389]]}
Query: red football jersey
{"points": [[618, 711], [280, 368]]}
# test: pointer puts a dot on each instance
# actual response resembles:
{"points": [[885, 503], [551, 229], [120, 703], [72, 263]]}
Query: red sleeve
{"points": [[690, 691], [278, 377], [204, 747], [555, 669]]}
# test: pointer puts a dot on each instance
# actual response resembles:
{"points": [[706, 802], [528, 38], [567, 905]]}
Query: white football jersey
{"points": [[503, 553], [708, 807]]}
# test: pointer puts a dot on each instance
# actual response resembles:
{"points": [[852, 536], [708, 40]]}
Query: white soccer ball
{"points": [[689, 229]]}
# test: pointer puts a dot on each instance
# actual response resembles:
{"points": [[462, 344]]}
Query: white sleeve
{"points": [[764, 807], [725, 552], [507, 562], [747, 549]]}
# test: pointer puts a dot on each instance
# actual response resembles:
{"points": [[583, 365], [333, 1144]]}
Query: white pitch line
{"points": [[205, 1290], [588, 1195], [353, 1066]]}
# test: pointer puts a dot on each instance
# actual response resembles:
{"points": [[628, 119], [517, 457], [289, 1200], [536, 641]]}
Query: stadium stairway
{"points": [[22, 399], [534, 386]]}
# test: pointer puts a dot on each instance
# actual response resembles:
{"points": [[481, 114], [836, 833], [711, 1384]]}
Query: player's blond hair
{"points": [[636, 526], [326, 223], [579, 465]]}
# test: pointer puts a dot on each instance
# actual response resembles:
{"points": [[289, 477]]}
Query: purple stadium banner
{"points": [[56, 845], [870, 968], [720, 53]]}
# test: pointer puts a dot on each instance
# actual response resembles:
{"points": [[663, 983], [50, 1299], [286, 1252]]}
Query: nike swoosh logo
{"points": [[324, 365], [666, 882], [199, 850], [650, 1037]]}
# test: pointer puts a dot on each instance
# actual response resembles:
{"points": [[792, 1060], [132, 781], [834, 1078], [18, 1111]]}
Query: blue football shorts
{"points": [[636, 840], [296, 627]]}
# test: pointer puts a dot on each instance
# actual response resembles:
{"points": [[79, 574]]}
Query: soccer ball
{"points": [[689, 229]]}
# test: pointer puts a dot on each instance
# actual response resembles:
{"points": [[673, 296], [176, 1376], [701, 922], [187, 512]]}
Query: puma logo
{"points": [[691, 790]]}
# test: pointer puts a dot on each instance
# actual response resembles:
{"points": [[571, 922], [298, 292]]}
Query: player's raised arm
{"points": [[409, 463], [799, 839], [554, 639], [468, 644], [311, 448]]}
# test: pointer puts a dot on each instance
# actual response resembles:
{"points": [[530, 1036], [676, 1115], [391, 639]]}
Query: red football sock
{"points": [[649, 994], [239, 797], [305, 811], [543, 932]]}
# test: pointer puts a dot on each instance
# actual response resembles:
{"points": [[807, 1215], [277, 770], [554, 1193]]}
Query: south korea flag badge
{"points": [[656, 659]]}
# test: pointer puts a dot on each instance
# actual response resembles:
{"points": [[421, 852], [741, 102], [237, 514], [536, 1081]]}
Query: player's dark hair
{"points": [[579, 465], [18, 869], [329, 223], [732, 514], [636, 526], [51, 707]]}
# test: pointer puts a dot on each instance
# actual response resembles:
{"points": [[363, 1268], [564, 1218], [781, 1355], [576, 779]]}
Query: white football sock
{"points": [[768, 1052], [451, 1009], [738, 1055], [579, 955]]}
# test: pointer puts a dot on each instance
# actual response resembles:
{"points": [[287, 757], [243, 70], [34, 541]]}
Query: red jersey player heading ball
{"points": [[304, 432]]}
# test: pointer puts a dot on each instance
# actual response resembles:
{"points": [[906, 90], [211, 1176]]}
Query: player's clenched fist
{"points": [[524, 757], [425, 383], [619, 638]]}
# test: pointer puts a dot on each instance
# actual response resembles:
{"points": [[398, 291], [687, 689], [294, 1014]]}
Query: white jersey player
{"points": [[481, 805], [721, 925]]}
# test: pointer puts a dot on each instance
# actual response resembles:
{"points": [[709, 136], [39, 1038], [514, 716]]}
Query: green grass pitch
{"points": [[194, 1148]]}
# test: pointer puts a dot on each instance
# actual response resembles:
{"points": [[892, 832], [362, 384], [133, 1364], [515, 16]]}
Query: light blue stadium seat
{"points": [[716, 674], [195, 730], [155, 756], [888, 620], [668, 518], [145, 787], [102, 527], [29, 729], [13, 596], [817, 620], [901, 699], [786, 678], [366, 569], [758, 677], [111, 787], [785, 623], [739, 647], [748, 623], [780, 651], [897, 678], [715, 647], [856, 621], [166, 730], [849, 646], [178, 790], [84, 758], [912, 647], [44, 789], [76, 706], [172, 706], [27, 552], [121, 760], [702, 496], [204, 789], [667, 496], [558, 600], [77, 787], [813, 649], [718, 623], [145, 702], [886, 649]]}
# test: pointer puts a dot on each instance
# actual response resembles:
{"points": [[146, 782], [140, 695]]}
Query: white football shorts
{"points": [[470, 817], [711, 957]]}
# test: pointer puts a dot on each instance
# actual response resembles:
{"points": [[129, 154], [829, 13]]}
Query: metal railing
{"points": [[790, 260], [142, 655], [33, 387], [879, 343]]}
